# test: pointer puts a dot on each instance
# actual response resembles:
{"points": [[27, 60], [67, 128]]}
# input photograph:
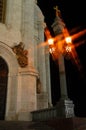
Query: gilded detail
{"points": [[21, 54]]}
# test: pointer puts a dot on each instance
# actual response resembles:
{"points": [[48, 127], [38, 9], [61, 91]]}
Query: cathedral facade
{"points": [[24, 61]]}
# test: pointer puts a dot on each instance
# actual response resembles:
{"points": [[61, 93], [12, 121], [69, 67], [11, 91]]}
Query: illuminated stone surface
{"points": [[24, 23]]}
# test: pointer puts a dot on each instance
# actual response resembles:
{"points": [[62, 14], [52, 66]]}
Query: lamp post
{"points": [[60, 46]]}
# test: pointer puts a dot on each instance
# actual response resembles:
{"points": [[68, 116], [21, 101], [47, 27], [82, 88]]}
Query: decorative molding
{"points": [[21, 54]]}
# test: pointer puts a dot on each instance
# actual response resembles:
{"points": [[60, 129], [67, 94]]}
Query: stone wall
{"points": [[20, 26]]}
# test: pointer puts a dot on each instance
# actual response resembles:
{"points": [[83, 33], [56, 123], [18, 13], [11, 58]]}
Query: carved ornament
{"points": [[21, 54]]}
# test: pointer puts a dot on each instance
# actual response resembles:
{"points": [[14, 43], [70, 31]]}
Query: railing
{"points": [[63, 109], [45, 114]]}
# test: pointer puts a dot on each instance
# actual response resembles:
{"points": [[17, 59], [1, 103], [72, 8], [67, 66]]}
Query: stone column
{"points": [[27, 29], [13, 22], [65, 105], [41, 57], [58, 27], [48, 83], [63, 84], [43, 96], [13, 19], [42, 63], [28, 75], [27, 93]]}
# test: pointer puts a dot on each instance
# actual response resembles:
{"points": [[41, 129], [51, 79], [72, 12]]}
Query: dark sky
{"points": [[74, 15]]}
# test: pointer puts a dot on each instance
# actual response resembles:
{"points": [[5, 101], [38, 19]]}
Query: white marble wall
{"points": [[21, 89]]}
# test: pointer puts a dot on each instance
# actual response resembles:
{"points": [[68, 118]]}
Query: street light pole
{"points": [[65, 105], [58, 27]]}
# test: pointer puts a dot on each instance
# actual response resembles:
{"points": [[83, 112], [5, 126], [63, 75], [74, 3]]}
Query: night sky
{"points": [[74, 16]]}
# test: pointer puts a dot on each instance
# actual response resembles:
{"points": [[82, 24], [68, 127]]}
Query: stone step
{"points": [[23, 125], [75, 123], [54, 124]]}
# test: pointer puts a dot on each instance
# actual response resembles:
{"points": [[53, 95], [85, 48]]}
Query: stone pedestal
{"points": [[65, 108]]}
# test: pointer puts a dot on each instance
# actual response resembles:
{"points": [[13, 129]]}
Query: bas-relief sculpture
{"points": [[21, 54]]}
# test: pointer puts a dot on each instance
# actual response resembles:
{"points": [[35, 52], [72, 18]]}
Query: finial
{"points": [[58, 12]]}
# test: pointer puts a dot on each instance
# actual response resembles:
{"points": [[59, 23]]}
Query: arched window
{"points": [[2, 10]]}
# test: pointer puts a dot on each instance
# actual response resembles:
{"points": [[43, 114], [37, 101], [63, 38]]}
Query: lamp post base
{"points": [[65, 108]]}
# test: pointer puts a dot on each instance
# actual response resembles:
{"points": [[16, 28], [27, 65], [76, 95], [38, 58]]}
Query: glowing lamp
{"points": [[68, 48], [51, 41], [52, 50], [68, 40]]}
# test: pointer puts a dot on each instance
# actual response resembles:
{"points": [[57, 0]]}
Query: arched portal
{"points": [[3, 87], [10, 66]]}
